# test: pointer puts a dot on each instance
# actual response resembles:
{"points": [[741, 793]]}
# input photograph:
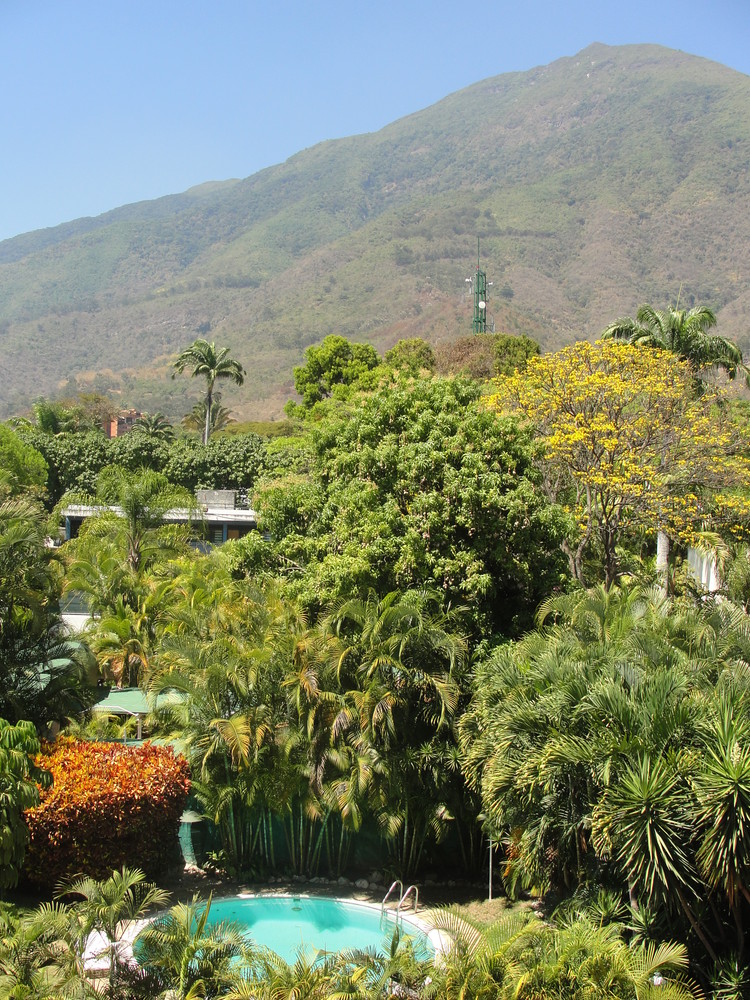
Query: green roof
{"points": [[132, 701]]}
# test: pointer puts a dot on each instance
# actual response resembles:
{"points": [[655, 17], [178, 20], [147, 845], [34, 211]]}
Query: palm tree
{"points": [[36, 960], [722, 791], [681, 332], [202, 359], [227, 726], [646, 822], [191, 955], [112, 907], [219, 418], [121, 638], [155, 425], [398, 663], [39, 676], [136, 504]]}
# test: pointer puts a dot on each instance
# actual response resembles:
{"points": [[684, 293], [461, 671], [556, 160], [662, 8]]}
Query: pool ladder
{"points": [[412, 889]]}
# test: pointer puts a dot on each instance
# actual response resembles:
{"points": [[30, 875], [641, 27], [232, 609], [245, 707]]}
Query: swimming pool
{"points": [[287, 924]]}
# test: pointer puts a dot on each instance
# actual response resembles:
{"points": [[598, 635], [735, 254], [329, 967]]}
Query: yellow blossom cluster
{"points": [[625, 438]]}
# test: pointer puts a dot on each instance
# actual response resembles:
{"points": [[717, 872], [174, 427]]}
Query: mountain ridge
{"points": [[599, 181]]}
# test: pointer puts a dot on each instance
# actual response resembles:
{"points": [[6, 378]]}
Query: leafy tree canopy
{"points": [[419, 485], [484, 355], [226, 462], [335, 362], [411, 356], [512, 353], [74, 460], [21, 462], [625, 441]]}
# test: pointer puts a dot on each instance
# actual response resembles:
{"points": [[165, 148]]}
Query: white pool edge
{"points": [[96, 954]]}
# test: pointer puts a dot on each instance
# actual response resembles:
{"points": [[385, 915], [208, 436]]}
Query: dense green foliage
{"points": [[21, 464], [75, 460], [43, 675], [611, 744], [336, 362], [402, 662], [20, 781], [416, 484]]}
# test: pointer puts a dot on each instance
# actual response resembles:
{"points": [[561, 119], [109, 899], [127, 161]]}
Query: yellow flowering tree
{"points": [[625, 443]]}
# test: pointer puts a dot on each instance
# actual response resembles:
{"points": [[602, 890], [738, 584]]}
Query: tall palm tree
{"points": [[203, 359]]}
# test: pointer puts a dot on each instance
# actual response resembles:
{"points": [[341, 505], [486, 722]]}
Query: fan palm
{"points": [[202, 359]]}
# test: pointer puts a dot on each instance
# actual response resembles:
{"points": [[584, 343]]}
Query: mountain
{"points": [[614, 177]]}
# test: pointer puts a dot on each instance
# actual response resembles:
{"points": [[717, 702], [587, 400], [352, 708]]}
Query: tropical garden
{"points": [[467, 627]]}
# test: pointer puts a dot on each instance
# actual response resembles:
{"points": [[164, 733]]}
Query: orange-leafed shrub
{"points": [[109, 805]]}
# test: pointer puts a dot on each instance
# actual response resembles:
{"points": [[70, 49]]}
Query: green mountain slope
{"points": [[601, 181]]}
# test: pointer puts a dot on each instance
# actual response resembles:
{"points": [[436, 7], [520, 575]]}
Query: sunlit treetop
{"points": [[626, 440]]}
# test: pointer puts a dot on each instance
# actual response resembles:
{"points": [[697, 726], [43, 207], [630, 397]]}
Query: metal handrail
{"points": [[387, 895], [405, 895]]}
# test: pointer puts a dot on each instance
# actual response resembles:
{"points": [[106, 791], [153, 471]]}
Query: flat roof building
{"points": [[216, 517]]}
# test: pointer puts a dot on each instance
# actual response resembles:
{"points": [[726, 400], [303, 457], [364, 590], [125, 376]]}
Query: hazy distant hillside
{"points": [[604, 180]]}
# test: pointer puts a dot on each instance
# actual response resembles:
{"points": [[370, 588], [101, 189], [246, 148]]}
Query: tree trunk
{"points": [[207, 428], [662, 561]]}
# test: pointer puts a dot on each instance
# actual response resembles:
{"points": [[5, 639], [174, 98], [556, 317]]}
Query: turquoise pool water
{"points": [[287, 924]]}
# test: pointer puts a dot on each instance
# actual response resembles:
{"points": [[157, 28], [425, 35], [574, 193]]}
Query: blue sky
{"points": [[108, 102]]}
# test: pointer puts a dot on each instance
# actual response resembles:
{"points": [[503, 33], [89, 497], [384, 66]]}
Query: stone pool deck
{"points": [[184, 884]]}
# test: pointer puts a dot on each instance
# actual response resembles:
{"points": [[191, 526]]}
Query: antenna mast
{"points": [[480, 298]]}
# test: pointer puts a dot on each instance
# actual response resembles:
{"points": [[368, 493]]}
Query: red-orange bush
{"points": [[109, 805]]}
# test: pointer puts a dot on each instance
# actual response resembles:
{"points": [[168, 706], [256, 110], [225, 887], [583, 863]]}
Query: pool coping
{"points": [[96, 960]]}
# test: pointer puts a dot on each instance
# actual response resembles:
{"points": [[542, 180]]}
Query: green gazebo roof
{"points": [[132, 701]]}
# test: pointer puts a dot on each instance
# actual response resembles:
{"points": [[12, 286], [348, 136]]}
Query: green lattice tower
{"points": [[480, 299]]}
